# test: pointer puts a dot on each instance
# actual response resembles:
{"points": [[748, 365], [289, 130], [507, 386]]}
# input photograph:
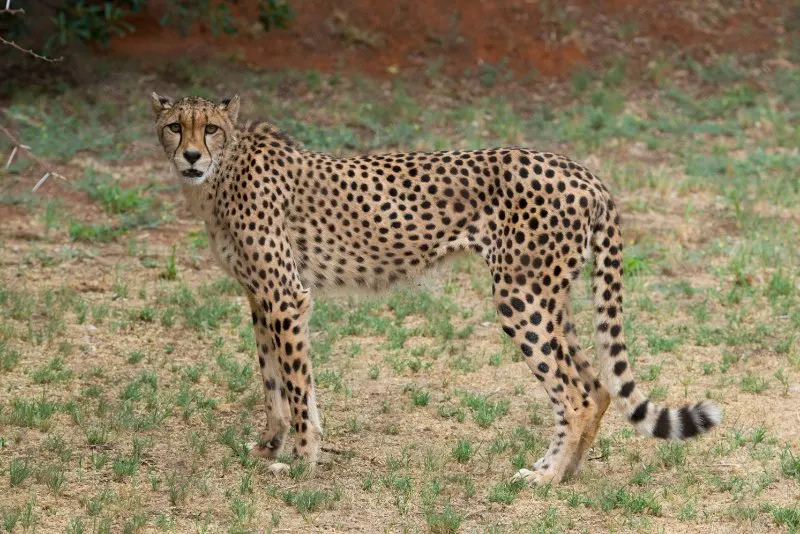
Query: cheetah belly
{"points": [[335, 265], [427, 278]]}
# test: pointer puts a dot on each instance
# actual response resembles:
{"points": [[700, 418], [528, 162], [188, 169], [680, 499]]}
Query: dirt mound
{"points": [[546, 37]]}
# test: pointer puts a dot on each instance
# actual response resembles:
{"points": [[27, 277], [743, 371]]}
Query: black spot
{"points": [[640, 412], [518, 304], [543, 367], [626, 389], [505, 309], [620, 367]]}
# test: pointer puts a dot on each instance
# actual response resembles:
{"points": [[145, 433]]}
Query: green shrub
{"points": [[58, 24]]}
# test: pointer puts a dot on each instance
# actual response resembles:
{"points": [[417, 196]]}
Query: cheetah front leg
{"points": [[264, 265], [271, 442], [282, 336], [298, 376]]}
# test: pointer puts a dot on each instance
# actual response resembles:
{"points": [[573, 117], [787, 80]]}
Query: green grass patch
{"points": [[484, 410]]}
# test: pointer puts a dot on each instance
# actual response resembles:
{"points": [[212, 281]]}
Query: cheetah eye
{"points": [[210, 128], [175, 127]]}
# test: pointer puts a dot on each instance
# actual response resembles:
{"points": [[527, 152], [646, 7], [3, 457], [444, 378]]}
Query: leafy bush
{"points": [[61, 23]]}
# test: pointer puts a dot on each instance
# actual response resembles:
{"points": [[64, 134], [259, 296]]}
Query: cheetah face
{"points": [[194, 133]]}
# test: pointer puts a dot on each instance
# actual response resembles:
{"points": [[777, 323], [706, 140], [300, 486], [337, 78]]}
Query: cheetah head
{"points": [[194, 133]]}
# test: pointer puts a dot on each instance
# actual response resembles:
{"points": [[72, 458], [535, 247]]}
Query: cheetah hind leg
{"points": [[599, 401], [598, 394], [578, 419], [539, 341], [567, 449]]}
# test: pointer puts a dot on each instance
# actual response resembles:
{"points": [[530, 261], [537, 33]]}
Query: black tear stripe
{"points": [[688, 426], [205, 145], [180, 139], [178, 146], [640, 412], [662, 428]]}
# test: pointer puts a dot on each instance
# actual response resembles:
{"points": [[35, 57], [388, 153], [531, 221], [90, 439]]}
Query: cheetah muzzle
{"points": [[286, 223]]}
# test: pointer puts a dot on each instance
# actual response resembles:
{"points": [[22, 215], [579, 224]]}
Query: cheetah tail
{"points": [[648, 417]]}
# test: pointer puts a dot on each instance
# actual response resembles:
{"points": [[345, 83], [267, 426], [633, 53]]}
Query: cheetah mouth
{"points": [[192, 173]]}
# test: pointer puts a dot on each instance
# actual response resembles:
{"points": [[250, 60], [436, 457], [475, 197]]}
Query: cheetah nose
{"points": [[191, 156]]}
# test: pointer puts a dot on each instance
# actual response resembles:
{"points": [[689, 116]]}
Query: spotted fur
{"points": [[286, 222]]}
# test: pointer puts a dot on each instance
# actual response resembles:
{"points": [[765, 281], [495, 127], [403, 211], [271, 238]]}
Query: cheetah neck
{"points": [[200, 199]]}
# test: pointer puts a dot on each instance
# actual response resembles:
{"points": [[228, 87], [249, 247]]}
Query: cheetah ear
{"points": [[160, 103], [231, 107]]}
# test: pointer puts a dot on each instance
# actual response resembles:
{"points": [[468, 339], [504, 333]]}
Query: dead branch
{"points": [[43, 164], [12, 44], [8, 9], [30, 52]]}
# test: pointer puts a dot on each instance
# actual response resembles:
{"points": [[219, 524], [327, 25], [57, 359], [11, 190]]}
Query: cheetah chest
{"points": [[222, 247]]}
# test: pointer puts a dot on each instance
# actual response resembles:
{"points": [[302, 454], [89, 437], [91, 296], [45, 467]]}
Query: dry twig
{"points": [[8, 9], [17, 144], [12, 44], [36, 159], [30, 52]]}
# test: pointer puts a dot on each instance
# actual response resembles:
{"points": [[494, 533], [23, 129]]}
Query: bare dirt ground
{"points": [[528, 37]]}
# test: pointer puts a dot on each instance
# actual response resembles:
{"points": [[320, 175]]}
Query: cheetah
{"points": [[287, 223]]}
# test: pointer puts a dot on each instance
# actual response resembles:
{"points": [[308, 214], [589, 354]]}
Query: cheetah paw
{"points": [[536, 477], [264, 449], [523, 475], [278, 469]]}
